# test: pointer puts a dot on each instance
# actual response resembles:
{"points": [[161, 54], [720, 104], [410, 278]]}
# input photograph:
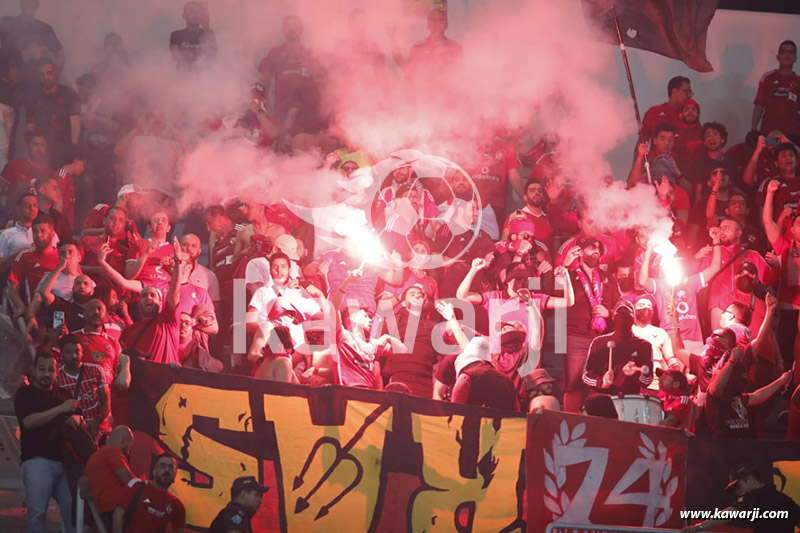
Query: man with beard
{"points": [[86, 383], [663, 357], [56, 112], [116, 235], [715, 135], [108, 473], [158, 329], [688, 134], [98, 347], [674, 395], [41, 415], [200, 276], [72, 308], [735, 205], [535, 200], [679, 90], [463, 190], [49, 194], [147, 259], [19, 173], [594, 296], [31, 266], [413, 366], [19, 236], [130, 199], [619, 362], [149, 505]]}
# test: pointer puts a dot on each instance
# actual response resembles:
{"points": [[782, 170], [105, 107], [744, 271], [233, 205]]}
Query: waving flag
{"points": [[672, 28]]}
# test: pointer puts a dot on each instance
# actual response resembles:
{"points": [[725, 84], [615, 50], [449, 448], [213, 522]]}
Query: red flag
{"points": [[672, 28]]}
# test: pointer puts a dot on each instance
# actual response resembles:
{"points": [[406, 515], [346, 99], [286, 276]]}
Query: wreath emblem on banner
{"points": [[557, 500], [668, 485]]}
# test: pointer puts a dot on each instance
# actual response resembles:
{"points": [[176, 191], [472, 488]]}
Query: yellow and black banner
{"points": [[335, 458]]}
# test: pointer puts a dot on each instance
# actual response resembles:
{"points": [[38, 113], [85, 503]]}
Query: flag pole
{"points": [[633, 92]]}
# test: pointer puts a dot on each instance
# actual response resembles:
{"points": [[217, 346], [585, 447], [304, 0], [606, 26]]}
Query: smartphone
{"points": [[771, 141], [58, 319]]}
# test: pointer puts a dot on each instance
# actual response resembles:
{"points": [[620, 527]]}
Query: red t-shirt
{"points": [[88, 396], [30, 267], [22, 170], [107, 489], [152, 273], [67, 186], [660, 114], [356, 360], [100, 349], [789, 290], [116, 258], [678, 406], [158, 336], [778, 94], [95, 217], [156, 509], [542, 229], [490, 171]]}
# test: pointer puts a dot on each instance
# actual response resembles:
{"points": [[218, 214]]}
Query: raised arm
{"points": [[46, 288], [716, 255], [635, 174], [448, 313], [768, 391], [770, 227], [720, 380], [749, 175], [764, 335], [174, 292], [560, 273], [463, 291], [115, 277]]}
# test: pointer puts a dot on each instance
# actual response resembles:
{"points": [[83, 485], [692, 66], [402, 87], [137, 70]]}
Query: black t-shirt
{"points": [[700, 171], [191, 41], [17, 33], [579, 316], [233, 517], [490, 388], [768, 498], [73, 314], [50, 113], [422, 357], [44, 441], [446, 371]]}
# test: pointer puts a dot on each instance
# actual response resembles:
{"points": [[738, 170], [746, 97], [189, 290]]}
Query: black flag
{"points": [[672, 28]]}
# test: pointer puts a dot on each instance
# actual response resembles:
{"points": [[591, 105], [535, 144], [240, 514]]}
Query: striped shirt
{"points": [[89, 394]]}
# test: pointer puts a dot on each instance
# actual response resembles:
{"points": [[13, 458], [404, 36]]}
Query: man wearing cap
{"points": [[129, 198], [619, 362], [246, 496], [715, 135], [539, 386], [752, 494], [594, 296], [674, 395], [663, 357]]}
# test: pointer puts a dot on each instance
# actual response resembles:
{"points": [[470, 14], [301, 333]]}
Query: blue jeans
{"points": [[44, 478]]}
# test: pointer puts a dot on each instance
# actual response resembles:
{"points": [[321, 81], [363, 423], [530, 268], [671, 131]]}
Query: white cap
{"points": [[129, 188]]}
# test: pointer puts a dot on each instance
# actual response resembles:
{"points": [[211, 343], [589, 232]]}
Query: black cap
{"points": [[517, 271], [748, 266], [624, 306], [247, 483], [740, 474]]}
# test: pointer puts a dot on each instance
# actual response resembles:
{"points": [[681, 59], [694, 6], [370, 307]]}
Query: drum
{"points": [[638, 408]]}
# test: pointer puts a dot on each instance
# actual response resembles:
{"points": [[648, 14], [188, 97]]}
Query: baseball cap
{"points": [[537, 377], [748, 266], [257, 87], [522, 225], [247, 483], [516, 271], [740, 474], [585, 241], [624, 306], [288, 245], [129, 188]]}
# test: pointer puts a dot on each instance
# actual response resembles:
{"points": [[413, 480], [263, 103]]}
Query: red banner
{"points": [[585, 470]]}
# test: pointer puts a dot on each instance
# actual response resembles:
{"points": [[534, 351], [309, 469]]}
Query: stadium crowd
{"points": [[100, 266]]}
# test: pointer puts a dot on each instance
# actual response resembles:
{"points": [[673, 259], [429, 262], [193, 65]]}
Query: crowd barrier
{"points": [[341, 459]]}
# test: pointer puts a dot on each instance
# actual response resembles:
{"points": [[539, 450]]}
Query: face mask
{"points": [[644, 315], [626, 284], [512, 341], [746, 284]]}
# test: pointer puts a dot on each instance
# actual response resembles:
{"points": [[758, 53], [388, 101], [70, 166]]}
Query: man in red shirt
{"points": [[776, 106], [118, 239], [98, 347], [23, 171], [147, 259], [149, 506], [129, 198], [73, 167], [30, 267], [787, 248], [679, 89], [92, 396], [108, 474], [158, 330]]}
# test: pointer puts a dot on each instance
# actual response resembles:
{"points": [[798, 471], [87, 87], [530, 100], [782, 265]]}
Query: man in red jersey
{"points": [[149, 506], [30, 267], [98, 347], [776, 106], [679, 89]]}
